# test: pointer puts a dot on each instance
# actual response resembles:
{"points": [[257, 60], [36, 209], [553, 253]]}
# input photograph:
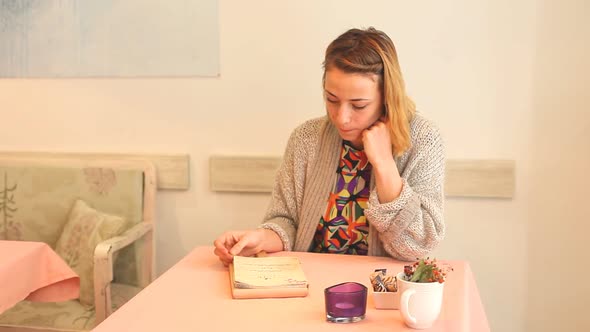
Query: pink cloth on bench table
{"points": [[33, 271]]}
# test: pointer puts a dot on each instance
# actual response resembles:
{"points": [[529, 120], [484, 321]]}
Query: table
{"points": [[194, 295], [33, 271]]}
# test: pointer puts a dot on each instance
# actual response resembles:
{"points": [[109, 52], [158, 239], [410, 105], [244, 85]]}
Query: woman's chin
{"points": [[354, 140], [348, 136]]}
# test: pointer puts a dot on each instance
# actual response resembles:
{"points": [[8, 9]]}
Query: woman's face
{"points": [[353, 102]]}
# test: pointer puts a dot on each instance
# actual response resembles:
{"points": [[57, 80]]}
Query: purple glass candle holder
{"points": [[346, 302]]}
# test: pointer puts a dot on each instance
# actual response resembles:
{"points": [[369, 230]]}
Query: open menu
{"points": [[267, 277]]}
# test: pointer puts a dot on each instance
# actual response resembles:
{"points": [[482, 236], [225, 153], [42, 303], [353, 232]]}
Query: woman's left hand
{"points": [[377, 144]]}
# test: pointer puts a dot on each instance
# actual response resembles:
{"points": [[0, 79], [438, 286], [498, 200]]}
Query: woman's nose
{"points": [[343, 115]]}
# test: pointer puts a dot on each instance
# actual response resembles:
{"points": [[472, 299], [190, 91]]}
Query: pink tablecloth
{"points": [[33, 271], [194, 295]]}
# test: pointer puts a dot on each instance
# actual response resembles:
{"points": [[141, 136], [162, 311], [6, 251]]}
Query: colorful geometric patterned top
{"points": [[343, 228]]}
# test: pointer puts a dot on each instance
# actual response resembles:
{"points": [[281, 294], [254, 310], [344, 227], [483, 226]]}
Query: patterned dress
{"points": [[343, 228]]}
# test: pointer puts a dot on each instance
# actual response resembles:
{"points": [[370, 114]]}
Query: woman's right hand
{"points": [[242, 243]]}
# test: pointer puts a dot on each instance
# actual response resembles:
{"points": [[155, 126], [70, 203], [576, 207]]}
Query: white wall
{"points": [[481, 70], [559, 223]]}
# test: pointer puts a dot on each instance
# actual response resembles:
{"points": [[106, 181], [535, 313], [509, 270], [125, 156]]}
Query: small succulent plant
{"points": [[426, 270]]}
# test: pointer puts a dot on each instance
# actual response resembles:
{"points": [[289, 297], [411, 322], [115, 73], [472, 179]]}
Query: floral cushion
{"points": [[68, 315], [61, 316], [39, 197], [84, 230]]}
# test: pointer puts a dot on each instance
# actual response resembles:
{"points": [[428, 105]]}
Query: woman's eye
{"points": [[358, 108], [331, 101]]}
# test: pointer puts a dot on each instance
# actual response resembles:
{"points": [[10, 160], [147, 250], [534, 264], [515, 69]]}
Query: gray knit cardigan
{"points": [[407, 228]]}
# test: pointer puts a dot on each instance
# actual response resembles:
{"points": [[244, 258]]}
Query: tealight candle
{"points": [[346, 302]]}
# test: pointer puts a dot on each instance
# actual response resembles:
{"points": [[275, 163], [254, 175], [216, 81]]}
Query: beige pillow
{"points": [[84, 230]]}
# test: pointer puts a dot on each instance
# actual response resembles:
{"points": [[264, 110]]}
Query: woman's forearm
{"points": [[388, 182]]}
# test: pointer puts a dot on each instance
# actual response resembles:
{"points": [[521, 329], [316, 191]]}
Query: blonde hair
{"points": [[371, 51]]}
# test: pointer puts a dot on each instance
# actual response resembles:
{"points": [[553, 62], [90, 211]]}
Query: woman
{"points": [[367, 179]]}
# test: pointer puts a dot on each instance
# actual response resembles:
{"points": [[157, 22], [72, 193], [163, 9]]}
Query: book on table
{"points": [[267, 277]]}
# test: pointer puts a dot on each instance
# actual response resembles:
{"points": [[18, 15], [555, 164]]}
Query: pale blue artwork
{"points": [[109, 38]]}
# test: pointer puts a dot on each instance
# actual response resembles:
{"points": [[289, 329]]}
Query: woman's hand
{"points": [[377, 145], [245, 243]]}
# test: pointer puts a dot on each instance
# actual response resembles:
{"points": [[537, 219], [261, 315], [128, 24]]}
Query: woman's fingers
{"points": [[238, 243]]}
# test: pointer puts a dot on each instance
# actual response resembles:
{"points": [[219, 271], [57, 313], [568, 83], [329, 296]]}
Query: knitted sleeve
{"points": [[412, 225], [282, 209], [282, 215]]}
